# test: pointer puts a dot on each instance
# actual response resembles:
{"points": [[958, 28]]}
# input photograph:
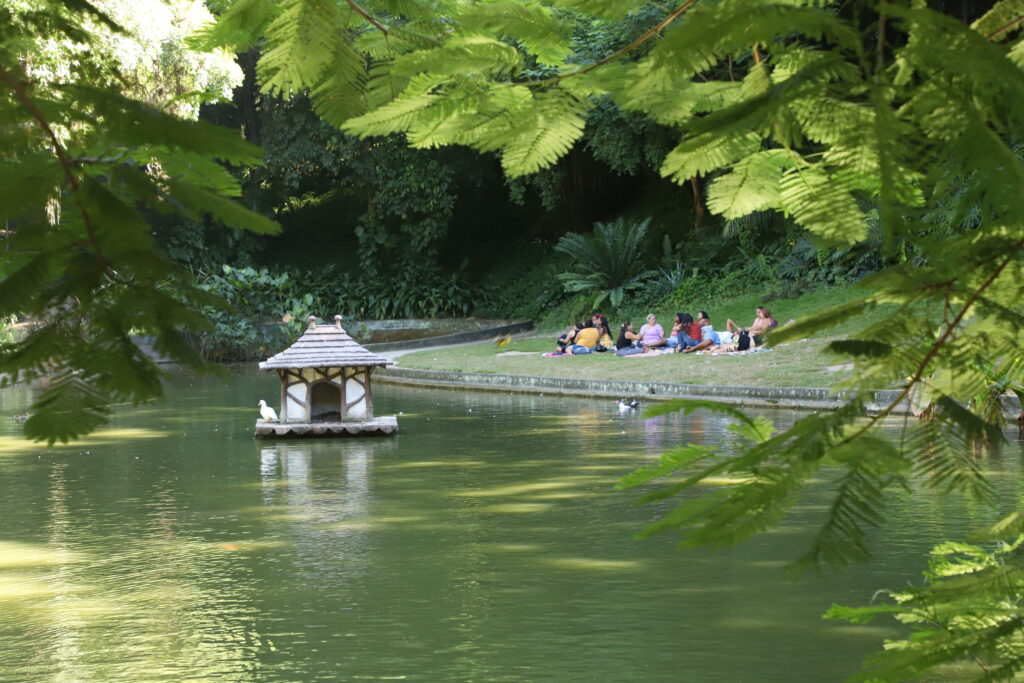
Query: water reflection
{"points": [[326, 489], [485, 541]]}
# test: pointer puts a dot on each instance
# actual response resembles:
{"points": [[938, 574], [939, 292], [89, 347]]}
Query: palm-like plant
{"points": [[609, 261]]}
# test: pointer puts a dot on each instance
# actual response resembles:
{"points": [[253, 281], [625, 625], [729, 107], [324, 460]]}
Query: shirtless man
{"points": [[763, 322]]}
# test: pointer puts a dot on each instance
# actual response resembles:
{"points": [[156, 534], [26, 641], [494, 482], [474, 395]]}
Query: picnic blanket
{"points": [[732, 353]]}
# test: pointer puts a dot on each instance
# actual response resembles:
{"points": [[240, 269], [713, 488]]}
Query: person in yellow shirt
{"points": [[586, 340], [601, 323]]}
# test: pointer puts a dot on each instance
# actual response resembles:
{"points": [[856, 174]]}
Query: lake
{"points": [[484, 542]]}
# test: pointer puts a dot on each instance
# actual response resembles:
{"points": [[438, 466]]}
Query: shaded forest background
{"points": [[375, 229]]}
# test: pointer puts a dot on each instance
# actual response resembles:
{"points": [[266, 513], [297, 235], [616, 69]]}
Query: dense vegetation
{"points": [[763, 145]]}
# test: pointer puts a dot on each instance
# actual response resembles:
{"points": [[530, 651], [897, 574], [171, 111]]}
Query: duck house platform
{"points": [[372, 427], [325, 387]]}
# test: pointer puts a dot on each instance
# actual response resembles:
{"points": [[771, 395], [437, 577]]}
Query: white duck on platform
{"points": [[268, 413]]}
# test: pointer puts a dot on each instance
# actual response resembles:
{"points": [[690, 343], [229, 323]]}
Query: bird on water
{"points": [[267, 412]]}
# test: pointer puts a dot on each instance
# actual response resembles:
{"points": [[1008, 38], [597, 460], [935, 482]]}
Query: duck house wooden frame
{"points": [[325, 386]]}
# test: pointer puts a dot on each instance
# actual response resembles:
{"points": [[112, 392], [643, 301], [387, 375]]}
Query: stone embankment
{"points": [[774, 397]]}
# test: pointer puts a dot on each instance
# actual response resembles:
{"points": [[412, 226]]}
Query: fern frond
{"points": [[822, 206], [238, 28], [302, 41], [709, 32], [135, 124], [26, 184], [341, 94], [461, 55], [755, 184], [382, 85], [705, 153], [668, 96], [557, 123], [531, 24], [483, 119], [400, 114], [70, 407], [871, 466], [200, 200], [612, 10], [1003, 19]]}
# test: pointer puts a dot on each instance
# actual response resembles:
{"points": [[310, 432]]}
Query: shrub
{"points": [[268, 309], [609, 262]]}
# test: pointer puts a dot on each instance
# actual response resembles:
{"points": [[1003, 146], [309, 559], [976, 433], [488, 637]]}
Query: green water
{"points": [[485, 542]]}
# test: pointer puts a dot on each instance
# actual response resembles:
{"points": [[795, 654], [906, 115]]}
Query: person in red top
{"points": [[694, 329], [689, 332]]}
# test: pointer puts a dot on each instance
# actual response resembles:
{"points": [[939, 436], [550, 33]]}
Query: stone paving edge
{"points": [[798, 398]]}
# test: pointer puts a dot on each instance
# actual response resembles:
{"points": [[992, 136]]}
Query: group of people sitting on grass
{"points": [[686, 336]]}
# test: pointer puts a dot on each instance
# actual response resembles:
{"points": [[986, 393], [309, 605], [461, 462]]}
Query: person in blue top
{"points": [[708, 336]]}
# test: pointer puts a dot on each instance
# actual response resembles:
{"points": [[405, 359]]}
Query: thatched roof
{"points": [[323, 346]]}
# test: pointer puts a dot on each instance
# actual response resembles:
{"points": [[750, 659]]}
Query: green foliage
{"points": [[411, 294], [968, 610], [524, 286], [79, 254], [266, 310], [609, 261]]}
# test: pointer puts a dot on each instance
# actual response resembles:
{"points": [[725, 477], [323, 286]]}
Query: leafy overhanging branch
{"points": [[88, 269]]}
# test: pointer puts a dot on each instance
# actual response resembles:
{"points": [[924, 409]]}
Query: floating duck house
{"points": [[325, 386]]}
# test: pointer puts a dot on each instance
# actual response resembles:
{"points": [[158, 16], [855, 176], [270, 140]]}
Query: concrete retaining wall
{"points": [[777, 397], [455, 338]]}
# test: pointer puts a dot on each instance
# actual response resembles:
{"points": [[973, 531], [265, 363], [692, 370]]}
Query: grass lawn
{"points": [[799, 364]]}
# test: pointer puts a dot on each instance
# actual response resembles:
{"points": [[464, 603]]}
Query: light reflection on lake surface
{"points": [[485, 542]]}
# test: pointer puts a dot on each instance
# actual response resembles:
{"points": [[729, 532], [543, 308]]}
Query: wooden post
{"points": [[283, 376], [366, 389]]}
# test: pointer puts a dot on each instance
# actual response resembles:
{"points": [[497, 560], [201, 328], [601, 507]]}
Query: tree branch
{"points": [[65, 162], [369, 17], [643, 38], [936, 347], [1005, 28]]}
